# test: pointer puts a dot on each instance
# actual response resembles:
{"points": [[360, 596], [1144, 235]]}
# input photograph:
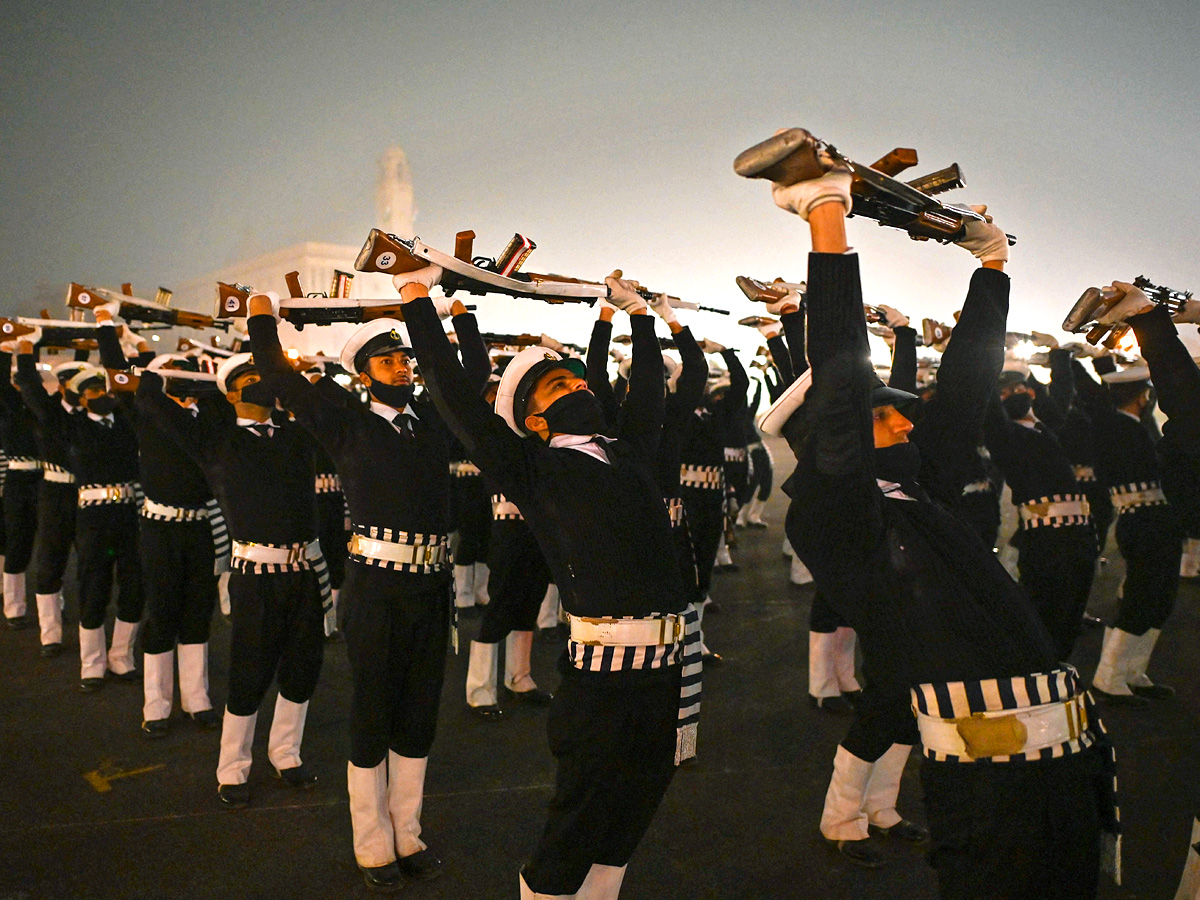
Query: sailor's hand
{"points": [[711, 346], [31, 339], [803, 197], [1082, 348], [986, 240], [25, 346], [106, 313], [9, 347], [425, 277], [882, 331], [151, 382], [553, 344], [769, 328], [661, 305], [1133, 302], [1041, 339], [892, 317], [1190, 312], [623, 293], [443, 306], [263, 303], [616, 354]]}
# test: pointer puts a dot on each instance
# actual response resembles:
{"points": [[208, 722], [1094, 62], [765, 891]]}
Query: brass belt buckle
{"points": [[985, 736]]}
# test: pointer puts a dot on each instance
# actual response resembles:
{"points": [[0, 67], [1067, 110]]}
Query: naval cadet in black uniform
{"points": [[625, 712], [934, 610], [18, 434], [393, 460], [262, 474]]}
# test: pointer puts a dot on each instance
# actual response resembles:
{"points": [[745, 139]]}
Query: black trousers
{"points": [[737, 475], [1015, 831], [332, 534], [518, 582], [1057, 566], [685, 555], [473, 516], [180, 587], [57, 504], [822, 618], [396, 640], [20, 518], [106, 541], [882, 716], [613, 738], [981, 510], [706, 523], [277, 631], [761, 473], [1152, 543], [1102, 510]]}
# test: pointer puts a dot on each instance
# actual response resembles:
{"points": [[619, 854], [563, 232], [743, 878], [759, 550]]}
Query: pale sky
{"points": [[154, 141]]}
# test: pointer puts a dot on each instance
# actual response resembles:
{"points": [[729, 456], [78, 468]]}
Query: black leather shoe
{"points": [[711, 659], [1153, 691], [421, 866], [1133, 701], [535, 697], [711, 606], [382, 879], [469, 612], [863, 853], [130, 676], [837, 705], [51, 650], [91, 685], [156, 728], [296, 777], [234, 796], [904, 830], [1092, 621], [16, 623], [207, 719], [487, 712], [336, 638], [852, 697]]}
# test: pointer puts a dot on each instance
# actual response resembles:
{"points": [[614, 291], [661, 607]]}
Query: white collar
{"points": [[110, 418], [68, 407], [1030, 421], [248, 423], [584, 443], [1126, 412], [390, 412], [893, 491]]}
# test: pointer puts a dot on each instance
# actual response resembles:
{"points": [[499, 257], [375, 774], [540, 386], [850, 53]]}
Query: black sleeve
{"points": [[1176, 377], [795, 330], [774, 386], [781, 359], [1062, 382], [322, 417], [486, 438], [757, 401], [41, 404], [10, 399], [1090, 394], [641, 415], [904, 360], [195, 435], [597, 369], [475, 360], [692, 380], [998, 430], [111, 354]]}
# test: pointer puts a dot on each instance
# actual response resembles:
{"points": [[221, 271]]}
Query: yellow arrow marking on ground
{"points": [[108, 772]]}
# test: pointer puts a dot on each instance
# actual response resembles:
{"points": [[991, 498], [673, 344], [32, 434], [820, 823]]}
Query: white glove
{"points": [[790, 303], [623, 293], [893, 317], [624, 367], [882, 331], [986, 240], [551, 344], [769, 329], [130, 341], [711, 346], [1189, 313], [1133, 303], [9, 347], [1082, 348], [442, 305], [1041, 339], [616, 354], [272, 296], [603, 304], [33, 338], [803, 197], [663, 309], [428, 276]]}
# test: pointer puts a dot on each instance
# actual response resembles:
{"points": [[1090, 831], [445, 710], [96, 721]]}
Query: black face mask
{"points": [[899, 462], [259, 394], [578, 412], [71, 397], [102, 406], [393, 395], [1017, 405]]}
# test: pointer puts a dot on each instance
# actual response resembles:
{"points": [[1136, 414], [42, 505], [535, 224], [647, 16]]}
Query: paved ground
{"points": [[91, 810]]}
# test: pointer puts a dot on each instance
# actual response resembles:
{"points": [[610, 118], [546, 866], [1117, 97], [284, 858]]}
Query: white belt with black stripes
{"points": [[23, 464], [1126, 497], [708, 477], [504, 510], [675, 510], [101, 494], [464, 469], [1055, 511], [735, 454], [610, 632], [1085, 473], [1006, 731], [161, 512], [57, 474], [435, 553], [276, 556], [328, 484]]}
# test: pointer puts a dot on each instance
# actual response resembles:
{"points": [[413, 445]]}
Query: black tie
{"points": [[403, 424]]}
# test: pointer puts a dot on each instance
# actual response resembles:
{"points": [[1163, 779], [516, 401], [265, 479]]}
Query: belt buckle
{"points": [[986, 736]]}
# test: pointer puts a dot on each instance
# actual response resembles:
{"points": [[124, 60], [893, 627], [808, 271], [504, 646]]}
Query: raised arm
{"points": [[10, 398], [471, 348], [904, 359], [597, 365], [641, 417], [44, 407], [1176, 377], [192, 433]]}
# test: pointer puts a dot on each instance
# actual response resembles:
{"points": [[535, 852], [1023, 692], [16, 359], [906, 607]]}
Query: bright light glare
{"points": [[293, 354], [1024, 349], [154, 337], [343, 380]]}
